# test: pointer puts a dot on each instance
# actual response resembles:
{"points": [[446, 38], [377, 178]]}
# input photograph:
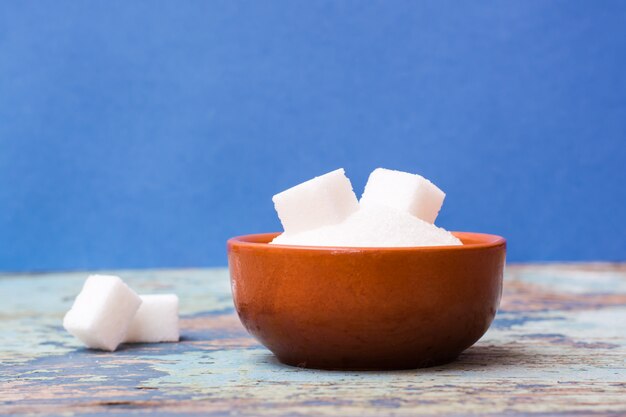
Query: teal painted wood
{"points": [[557, 347]]}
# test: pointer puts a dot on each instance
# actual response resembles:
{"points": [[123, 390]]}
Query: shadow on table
{"points": [[475, 358], [491, 356]]}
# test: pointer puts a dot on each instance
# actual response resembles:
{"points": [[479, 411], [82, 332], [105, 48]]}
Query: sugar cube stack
{"points": [[108, 312], [321, 201], [155, 321], [102, 312], [397, 209]]}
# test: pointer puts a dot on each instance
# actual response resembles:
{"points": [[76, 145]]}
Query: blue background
{"points": [[144, 134]]}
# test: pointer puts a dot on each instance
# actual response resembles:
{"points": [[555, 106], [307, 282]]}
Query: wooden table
{"points": [[557, 347]]}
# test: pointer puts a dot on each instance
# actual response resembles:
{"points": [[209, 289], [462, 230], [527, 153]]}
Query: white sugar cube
{"points": [[102, 312], [155, 321], [374, 226], [411, 193], [321, 201]]}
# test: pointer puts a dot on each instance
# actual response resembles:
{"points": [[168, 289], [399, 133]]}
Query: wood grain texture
{"points": [[557, 347]]}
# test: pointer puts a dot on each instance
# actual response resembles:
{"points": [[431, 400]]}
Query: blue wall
{"points": [[137, 134]]}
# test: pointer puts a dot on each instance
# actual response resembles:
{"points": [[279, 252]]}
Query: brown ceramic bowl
{"points": [[366, 308]]}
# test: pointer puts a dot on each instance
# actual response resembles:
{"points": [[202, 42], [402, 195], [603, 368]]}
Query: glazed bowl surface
{"points": [[366, 308]]}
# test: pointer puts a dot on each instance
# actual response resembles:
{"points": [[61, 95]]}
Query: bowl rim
{"points": [[484, 241]]}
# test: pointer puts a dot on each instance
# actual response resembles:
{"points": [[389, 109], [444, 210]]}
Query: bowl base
{"points": [[373, 365]]}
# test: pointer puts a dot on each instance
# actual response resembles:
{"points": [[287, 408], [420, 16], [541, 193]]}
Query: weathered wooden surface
{"points": [[557, 347]]}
